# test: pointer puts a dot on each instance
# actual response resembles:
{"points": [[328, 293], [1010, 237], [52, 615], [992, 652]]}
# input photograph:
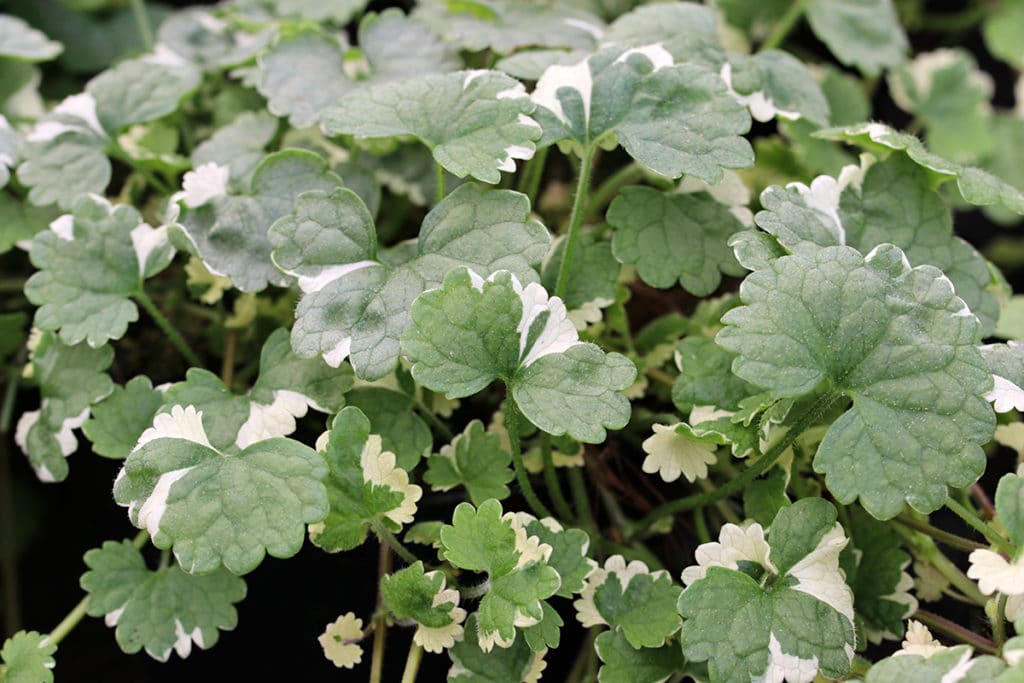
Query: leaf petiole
{"points": [[522, 478], [971, 518], [164, 324], [575, 220]]}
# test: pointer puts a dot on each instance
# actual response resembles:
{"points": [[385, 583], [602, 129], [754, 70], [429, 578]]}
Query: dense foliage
{"points": [[483, 281]]}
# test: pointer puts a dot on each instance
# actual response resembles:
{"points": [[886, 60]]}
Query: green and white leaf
{"points": [[70, 380], [1006, 362], [91, 262], [142, 89], [393, 416], [514, 664], [208, 40], [687, 30], [364, 485], [678, 449], [160, 610], [213, 508], [951, 665], [705, 376], [569, 553], [412, 593], [476, 123], [229, 231], [473, 331], [673, 119], [27, 657], [773, 83], [674, 238], [20, 41], [838, 317], [474, 460], [239, 145], [865, 34], [775, 610], [356, 306]]}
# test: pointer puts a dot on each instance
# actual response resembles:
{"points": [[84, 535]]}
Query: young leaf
{"points": [[21, 41], [142, 89], [118, 421], [471, 332], [674, 238], [355, 305], [160, 610], [239, 145], [70, 379], [706, 377], [364, 485], [229, 231], [623, 663], [391, 415], [475, 460], [27, 658], [773, 83], [91, 262], [569, 553], [213, 508], [476, 123], [673, 119], [861, 33], [421, 596], [776, 610], [841, 317], [472, 664], [304, 73]]}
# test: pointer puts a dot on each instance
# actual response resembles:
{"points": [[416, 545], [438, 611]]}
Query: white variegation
{"points": [[81, 106], [818, 574], [147, 240], [919, 641], [671, 453], [274, 420], [786, 667], [901, 595], [65, 437], [993, 572], [201, 186], [731, 191], [182, 422], [735, 544], [530, 548], [64, 227], [575, 76], [586, 610], [761, 107], [380, 469], [657, 55], [436, 639], [1005, 395], [340, 641], [824, 194]]}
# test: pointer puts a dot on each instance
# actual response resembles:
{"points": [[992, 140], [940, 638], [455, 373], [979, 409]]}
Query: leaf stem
{"points": [[387, 538], [575, 221], [142, 23], [69, 622], [606, 191], [953, 630], [529, 181], [440, 191], [412, 663], [971, 518], [551, 479], [12, 284], [944, 537], [580, 499], [164, 324], [380, 621], [522, 478], [227, 366], [999, 622], [765, 463], [785, 25], [924, 549]]}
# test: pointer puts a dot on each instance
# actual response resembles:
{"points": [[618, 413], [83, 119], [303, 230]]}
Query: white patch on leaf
{"points": [[588, 313], [593, 30], [439, 638], [919, 641], [340, 641], [111, 618], [1005, 395], [274, 420], [162, 55], [994, 573], [761, 107], [379, 469], [586, 610], [671, 452], [576, 77], [818, 574], [200, 186], [786, 667], [472, 75], [64, 227], [558, 334], [340, 352], [657, 55], [183, 422], [735, 544], [530, 548], [145, 240], [81, 106], [155, 505], [824, 194]]}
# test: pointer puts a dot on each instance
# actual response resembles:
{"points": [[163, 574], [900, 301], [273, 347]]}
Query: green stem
{"points": [[140, 539], [529, 181], [785, 25], [551, 479], [953, 630], [580, 499], [971, 518], [925, 550], [118, 152], [999, 622], [944, 537], [435, 422], [522, 478], [12, 284], [387, 538], [766, 462], [606, 191], [412, 663], [701, 525], [164, 324], [8, 518], [575, 221], [440, 190], [69, 622], [142, 23], [380, 620]]}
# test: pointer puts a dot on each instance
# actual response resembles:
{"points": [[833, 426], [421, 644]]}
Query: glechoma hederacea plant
{"points": [[435, 234]]}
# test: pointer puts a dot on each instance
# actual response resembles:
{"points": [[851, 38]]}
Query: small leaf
{"points": [[142, 89], [20, 41], [28, 658], [569, 553], [861, 33], [475, 460], [706, 377], [118, 421], [421, 596], [471, 664], [159, 610], [623, 663], [391, 415], [239, 145]]}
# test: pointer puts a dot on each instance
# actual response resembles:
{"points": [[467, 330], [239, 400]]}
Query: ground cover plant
{"points": [[618, 341]]}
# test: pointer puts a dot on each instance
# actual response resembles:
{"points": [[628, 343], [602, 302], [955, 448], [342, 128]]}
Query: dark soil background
{"points": [[289, 602]]}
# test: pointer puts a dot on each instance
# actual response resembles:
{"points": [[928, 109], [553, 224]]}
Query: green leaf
{"points": [[141, 89], [1008, 132], [476, 123], [206, 40], [673, 119], [643, 608], [339, 11], [947, 93], [763, 498], [839, 317], [472, 664], [569, 553], [949, 663], [475, 460], [357, 306], [862, 33], [412, 593], [20, 221], [687, 30], [1010, 507], [623, 663], [304, 73], [773, 83], [28, 658], [1002, 29], [285, 375], [471, 332], [547, 633], [229, 232], [213, 508], [876, 573], [976, 186], [21, 41], [391, 415], [70, 379], [91, 263], [706, 377], [238, 145], [483, 540], [160, 610], [118, 421], [363, 485], [505, 25], [894, 203], [592, 276], [772, 610], [674, 238]]}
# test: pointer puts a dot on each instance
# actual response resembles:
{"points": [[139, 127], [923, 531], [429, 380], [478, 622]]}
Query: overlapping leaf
{"points": [[27, 658], [861, 33], [475, 460]]}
